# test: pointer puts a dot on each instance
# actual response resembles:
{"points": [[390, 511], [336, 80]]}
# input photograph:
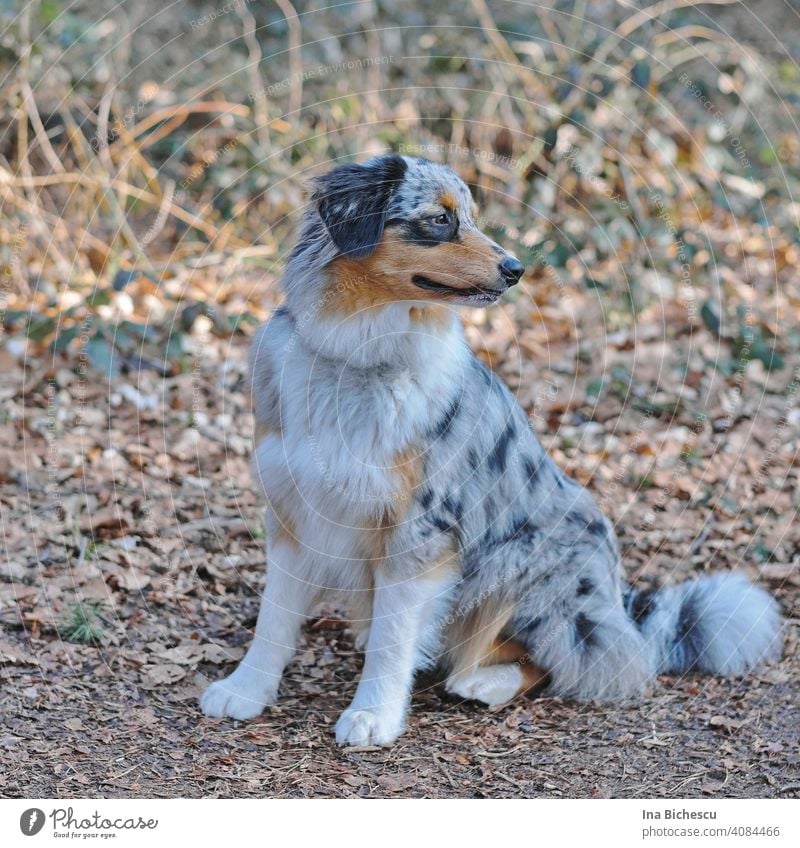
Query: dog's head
{"points": [[403, 230]]}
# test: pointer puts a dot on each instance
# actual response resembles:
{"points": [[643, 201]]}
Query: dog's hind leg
{"points": [[285, 604], [487, 667]]}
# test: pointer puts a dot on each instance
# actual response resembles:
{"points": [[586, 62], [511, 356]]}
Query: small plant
{"points": [[82, 624]]}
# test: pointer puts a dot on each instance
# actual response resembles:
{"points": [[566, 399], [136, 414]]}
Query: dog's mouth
{"points": [[479, 294]]}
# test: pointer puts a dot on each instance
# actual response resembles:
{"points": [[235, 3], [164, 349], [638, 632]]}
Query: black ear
{"points": [[352, 201]]}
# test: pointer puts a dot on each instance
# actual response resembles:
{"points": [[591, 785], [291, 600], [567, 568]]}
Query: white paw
{"points": [[491, 685], [367, 727], [241, 695]]}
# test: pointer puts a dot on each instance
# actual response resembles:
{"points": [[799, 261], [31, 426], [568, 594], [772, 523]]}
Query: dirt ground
{"points": [[157, 474]]}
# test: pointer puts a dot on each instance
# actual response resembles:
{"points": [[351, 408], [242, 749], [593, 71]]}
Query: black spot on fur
{"points": [[520, 527], [426, 498], [532, 632], [594, 527], [597, 528], [454, 507], [585, 630], [531, 470], [471, 563], [498, 458], [641, 604], [441, 522], [443, 427], [688, 640], [473, 459], [585, 587], [352, 201]]}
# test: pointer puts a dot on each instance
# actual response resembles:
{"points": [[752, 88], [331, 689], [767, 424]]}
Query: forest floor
{"points": [[132, 513]]}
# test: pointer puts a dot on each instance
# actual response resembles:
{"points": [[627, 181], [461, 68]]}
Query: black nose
{"points": [[511, 269]]}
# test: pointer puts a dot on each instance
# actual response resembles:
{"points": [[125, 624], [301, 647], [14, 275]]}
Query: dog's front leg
{"points": [[285, 604], [402, 611]]}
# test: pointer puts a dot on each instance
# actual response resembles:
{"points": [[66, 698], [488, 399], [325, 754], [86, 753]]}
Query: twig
{"points": [[552, 33], [38, 127], [510, 779], [101, 131], [79, 144], [163, 213], [656, 11], [295, 57], [598, 61], [82, 552], [439, 763], [124, 188], [184, 110], [500, 753], [532, 85], [701, 536], [257, 93]]}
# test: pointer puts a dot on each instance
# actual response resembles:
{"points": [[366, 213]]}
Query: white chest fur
{"points": [[345, 428]]}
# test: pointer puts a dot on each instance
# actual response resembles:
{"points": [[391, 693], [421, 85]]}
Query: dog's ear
{"points": [[352, 201]]}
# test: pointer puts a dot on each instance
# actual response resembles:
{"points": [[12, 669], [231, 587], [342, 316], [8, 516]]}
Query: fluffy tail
{"points": [[721, 624]]}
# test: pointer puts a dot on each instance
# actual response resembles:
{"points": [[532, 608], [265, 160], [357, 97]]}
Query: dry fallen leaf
{"points": [[160, 675], [397, 782]]}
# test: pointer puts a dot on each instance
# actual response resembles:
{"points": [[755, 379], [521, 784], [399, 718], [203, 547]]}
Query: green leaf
{"points": [[64, 337], [175, 346], [101, 354], [594, 387], [40, 327], [99, 297], [640, 74], [122, 278], [767, 355], [710, 316]]}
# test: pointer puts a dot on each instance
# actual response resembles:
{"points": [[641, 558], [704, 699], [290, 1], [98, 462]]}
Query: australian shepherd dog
{"points": [[403, 478]]}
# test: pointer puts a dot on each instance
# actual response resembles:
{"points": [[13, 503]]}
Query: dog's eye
{"points": [[442, 220]]}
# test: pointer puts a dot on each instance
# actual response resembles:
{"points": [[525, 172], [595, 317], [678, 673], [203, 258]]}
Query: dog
{"points": [[402, 476]]}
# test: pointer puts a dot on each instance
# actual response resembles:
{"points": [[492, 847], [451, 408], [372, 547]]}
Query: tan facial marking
{"points": [[385, 276], [448, 201]]}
